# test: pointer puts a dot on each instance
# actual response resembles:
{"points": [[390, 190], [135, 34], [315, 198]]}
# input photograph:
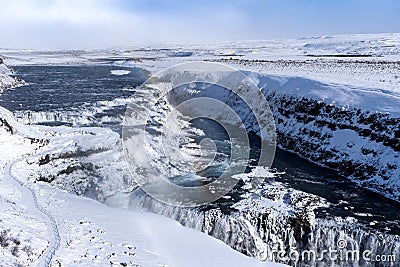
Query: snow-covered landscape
{"points": [[68, 198], [200, 133], [85, 232]]}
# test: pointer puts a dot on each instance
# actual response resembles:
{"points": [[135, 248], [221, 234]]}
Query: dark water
{"points": [[77, 90], [66, 87], [347, 198], [218, 134], [72, 90]]}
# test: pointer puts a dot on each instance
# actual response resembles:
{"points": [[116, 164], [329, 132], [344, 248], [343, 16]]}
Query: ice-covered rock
{"points": [[6, 81], [355, 131], [274, 223]]}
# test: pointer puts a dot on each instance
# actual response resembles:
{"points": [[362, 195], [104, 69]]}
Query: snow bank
{"points": [[96, 235], [6, 81]]}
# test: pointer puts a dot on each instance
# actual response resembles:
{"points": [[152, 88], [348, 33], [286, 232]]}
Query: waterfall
{"points": [[263, 235], [97, 114]]}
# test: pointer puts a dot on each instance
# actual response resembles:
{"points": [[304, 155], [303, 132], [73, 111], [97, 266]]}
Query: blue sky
{"points": [[59, 24]]}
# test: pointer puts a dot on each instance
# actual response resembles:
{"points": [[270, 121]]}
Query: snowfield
{"points": [[360, 60]]}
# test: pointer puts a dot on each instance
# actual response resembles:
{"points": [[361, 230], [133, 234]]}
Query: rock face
{"points": [[6, 81], [354, 132]]}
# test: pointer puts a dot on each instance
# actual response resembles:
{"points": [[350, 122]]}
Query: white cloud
{"points": [[59, 24], [69, 11]]}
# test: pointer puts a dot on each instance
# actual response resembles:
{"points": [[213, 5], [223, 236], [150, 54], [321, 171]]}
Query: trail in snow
{"points": [[29, 198]]}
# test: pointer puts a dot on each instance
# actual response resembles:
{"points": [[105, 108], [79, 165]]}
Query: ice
{"points": [[120, 72]]}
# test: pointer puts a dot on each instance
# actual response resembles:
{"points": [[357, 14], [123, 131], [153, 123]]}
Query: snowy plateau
{"points": [[335, 102]]}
